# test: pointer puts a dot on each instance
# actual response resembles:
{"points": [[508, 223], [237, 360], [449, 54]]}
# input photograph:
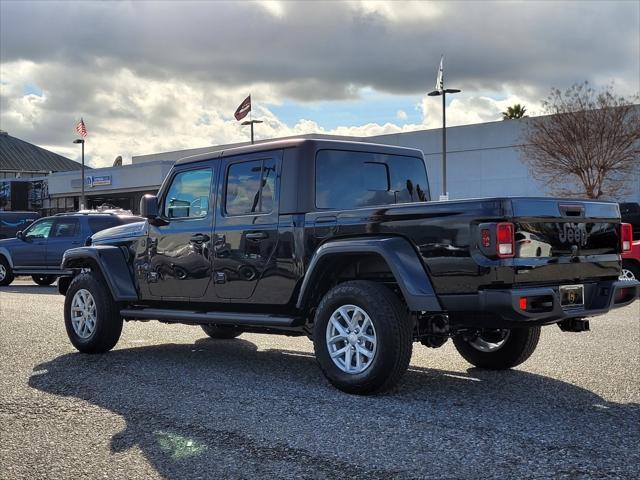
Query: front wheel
{"points": [[498, 349], [43, 280], [91, 316], [362, 337], [6, 273]]}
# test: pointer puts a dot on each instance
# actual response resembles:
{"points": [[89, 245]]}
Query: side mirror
{"points": [[20, 235], [149, 207]]}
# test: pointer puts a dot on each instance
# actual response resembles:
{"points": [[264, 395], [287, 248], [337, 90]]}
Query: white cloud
{"points": [[127, 114], [172, 73]]}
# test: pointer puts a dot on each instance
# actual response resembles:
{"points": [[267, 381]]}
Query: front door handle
{"points": [[200, 238], [255, 236]]}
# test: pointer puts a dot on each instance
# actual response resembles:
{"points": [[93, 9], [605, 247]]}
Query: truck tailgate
{"points": [[565, 240]]}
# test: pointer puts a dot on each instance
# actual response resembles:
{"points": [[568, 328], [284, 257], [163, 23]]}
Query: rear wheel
{"points": [[221, 332], [630, 271], [362, 337], [44, 280], [91, 316], [6, 273], [498, 349]]}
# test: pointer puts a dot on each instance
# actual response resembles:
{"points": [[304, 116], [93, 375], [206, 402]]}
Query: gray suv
{"points": [[38, 250]]}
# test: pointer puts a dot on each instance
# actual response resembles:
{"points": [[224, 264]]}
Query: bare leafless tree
{"points": [[587, 143]]}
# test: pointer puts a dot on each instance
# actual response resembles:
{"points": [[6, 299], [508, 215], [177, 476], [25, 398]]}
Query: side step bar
{"points": [[216, 318]]}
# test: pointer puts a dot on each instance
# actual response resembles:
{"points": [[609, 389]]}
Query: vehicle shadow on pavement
{"points": [[224, 409]]}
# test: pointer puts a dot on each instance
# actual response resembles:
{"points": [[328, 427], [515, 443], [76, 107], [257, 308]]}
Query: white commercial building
{"points": [[483, 160]]}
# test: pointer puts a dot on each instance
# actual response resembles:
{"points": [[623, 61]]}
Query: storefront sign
{"points": [[97, 180]]}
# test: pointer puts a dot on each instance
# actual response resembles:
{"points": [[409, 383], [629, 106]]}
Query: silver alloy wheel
{"points": [[625, 275], [3, 272], [83, 313], [487, 346], [351, 339]]}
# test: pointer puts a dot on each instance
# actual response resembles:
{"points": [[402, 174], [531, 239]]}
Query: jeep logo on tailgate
{"points": [[575, 233]]}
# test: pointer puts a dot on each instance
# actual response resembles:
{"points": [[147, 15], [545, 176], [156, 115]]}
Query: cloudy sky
{"points": [[158, 76]]}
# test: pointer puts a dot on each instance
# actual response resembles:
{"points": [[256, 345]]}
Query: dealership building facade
{"points": [[483, 160]]}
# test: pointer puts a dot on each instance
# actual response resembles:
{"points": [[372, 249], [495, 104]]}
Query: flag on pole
{"points": [[81, 128], [440, 77], [243, 109]]}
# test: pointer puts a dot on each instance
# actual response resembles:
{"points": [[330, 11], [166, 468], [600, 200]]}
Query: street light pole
{"points": [[81, 142], [443, 92], [251, 122]]}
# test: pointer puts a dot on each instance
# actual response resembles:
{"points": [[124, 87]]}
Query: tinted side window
{"points": [[188, 196], [66, 228], [357, 179], [250, 187], [97, 224]]}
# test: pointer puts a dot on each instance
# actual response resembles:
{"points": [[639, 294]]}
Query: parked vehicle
{"points": [[339, 241], [630, 213], [11, 222], [37, 250]]}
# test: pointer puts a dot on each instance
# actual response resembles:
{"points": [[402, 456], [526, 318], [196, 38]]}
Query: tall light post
{"points": [[81, 141], [251, 122], [443, 92]]}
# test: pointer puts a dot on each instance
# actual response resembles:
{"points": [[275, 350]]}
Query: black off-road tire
{"points": [[518, 347], [394, 332], [7, 276], [44, 280], [221, 332], [108, 320]]}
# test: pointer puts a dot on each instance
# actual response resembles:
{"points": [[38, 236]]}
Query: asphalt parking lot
{"points": [[170, 403]]}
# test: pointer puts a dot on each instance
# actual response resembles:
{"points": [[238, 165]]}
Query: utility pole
{"points": [[441, 91], [81, 142], [251, 122]]}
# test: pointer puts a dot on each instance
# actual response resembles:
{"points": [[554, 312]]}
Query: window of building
{"points": [[358, 179], [188, 195], [66, 228], [250, 187]]}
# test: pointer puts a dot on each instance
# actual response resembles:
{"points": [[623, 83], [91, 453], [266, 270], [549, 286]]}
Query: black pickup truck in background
{"points": [[340, 242]]}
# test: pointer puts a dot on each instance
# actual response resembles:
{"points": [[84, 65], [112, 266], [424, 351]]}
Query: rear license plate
{"points": [[572, 295]]}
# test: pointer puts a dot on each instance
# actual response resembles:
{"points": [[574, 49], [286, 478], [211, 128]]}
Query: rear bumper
{"points": [[501, 308]]}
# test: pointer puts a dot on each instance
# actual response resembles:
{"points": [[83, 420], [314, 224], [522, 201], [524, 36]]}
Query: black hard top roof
{"points": [[317, 144]]}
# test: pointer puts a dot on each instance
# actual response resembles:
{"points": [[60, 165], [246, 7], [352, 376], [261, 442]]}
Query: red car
{"points": [[630, 213], [631, 262]]}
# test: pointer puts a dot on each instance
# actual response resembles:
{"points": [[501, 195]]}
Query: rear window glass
{"points": [[358, 179], [250, 187], [101, 223]]}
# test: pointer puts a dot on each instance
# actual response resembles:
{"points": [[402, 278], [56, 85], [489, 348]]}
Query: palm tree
{"points": [[514, 112]]}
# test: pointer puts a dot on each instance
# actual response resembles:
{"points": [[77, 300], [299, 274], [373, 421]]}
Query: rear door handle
{"points": [[200, 238], [255, 235]]}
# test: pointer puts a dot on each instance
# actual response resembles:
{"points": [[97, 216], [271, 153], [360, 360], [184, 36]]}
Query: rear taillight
{"points": [[626, 237], [486, 237], [505, 241]]}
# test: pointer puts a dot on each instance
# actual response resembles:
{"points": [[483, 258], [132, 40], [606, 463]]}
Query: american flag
{"points": [[243, 109], [81, 128]]}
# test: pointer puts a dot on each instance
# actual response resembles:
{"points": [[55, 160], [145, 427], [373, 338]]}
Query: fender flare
{"points": [[5, 253], [111, 263], [400, 256]]}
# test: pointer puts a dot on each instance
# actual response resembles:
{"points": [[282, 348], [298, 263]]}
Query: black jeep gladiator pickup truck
{"points": [[340, 242]]}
